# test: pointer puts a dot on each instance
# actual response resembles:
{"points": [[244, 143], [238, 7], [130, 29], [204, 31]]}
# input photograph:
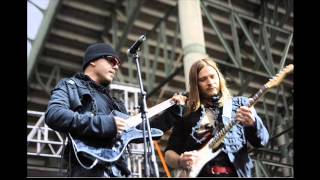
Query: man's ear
{"points": [[92, 63]]}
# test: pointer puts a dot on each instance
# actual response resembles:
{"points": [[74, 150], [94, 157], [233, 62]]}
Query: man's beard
{"points": [[209, 93]]}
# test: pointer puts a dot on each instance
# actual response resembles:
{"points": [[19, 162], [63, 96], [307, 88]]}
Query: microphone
{"points": [[133, 49]]}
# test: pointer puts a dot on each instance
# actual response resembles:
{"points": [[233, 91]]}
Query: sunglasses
{"points": [[112, 60]]}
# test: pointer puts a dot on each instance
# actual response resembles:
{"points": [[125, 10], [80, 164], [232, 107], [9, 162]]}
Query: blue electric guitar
{"points": [[111, 152]]}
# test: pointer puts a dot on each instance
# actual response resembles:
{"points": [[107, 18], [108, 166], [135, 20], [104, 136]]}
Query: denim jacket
{"points": [[237, 138], [235, 141]]}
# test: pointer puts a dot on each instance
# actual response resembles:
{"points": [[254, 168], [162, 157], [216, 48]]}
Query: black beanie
{"points": [[97, 50]]}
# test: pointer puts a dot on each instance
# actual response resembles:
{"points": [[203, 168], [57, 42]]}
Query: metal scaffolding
{"points": [[251, 41]]}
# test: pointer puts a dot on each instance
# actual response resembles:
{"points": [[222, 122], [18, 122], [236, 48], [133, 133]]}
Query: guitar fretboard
{"points": [[255, 98], [136, 119]]}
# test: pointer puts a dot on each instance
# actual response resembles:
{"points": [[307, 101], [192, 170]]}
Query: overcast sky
{"points": [[34, 18]]}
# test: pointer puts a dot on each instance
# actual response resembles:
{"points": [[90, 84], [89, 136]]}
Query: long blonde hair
{"points": [[193, 103]]}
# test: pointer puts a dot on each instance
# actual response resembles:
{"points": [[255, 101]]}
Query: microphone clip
{"points": [[135, 47]]}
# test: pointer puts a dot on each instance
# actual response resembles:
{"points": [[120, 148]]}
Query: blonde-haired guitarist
{"points": [[208, 109]]}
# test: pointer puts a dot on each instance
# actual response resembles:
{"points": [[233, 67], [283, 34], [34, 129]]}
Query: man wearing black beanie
{"points": [[81, 107]]}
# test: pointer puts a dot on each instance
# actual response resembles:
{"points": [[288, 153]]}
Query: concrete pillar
{"points": [[192, 35]]}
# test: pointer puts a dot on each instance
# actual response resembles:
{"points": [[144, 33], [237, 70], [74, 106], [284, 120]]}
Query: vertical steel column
{"points": [[164, 47], [285, 51], [267, 48], [155, 62], [257, 169], [266, 114], [175, 64], [256, 66], [158, 30], [114, 32], [132, 14], [145, 52], [114, 26], [282, 142]]}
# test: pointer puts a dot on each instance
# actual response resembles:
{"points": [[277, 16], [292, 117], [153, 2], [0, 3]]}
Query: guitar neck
{"points": [[136, 119], [256, 96]]}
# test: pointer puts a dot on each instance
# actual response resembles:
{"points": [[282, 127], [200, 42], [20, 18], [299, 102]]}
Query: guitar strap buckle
{"points": [[221, 170]]}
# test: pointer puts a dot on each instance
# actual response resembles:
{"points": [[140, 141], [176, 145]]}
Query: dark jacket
{"points": [[235, 142], [73, 109]]}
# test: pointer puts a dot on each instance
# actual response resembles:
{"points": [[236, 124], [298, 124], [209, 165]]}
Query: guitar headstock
{"points": [[276, 80]]}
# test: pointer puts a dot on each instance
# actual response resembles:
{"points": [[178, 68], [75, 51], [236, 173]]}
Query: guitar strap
{"points": [[227, 111], [78, 159]]}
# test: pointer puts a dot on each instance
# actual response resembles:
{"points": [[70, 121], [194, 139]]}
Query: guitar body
{"points": [[111, 154], [207, 154]]}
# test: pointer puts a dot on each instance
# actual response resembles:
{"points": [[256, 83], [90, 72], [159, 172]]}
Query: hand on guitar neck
{"points": [[179, 99], [120, 124], [245, 116]]}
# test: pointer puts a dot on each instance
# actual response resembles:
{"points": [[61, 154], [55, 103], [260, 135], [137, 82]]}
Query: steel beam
{"points": [[267, 48], [219, 34], [155, 62], [147, 61], [37, 44], [225, 7], [250, 38], [169, 78], [129, 25], [263, 168], [236, 44], [282, 21], [275, 12], [164, 18], [285, 51], [274, 163], [151, 76], [164, 48], [47, 86], [257, 65]]}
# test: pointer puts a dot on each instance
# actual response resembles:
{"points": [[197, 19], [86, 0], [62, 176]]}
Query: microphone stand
{"points": [[146, 125]]}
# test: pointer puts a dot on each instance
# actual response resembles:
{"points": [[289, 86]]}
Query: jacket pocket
{"points": [[80, 97]]}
